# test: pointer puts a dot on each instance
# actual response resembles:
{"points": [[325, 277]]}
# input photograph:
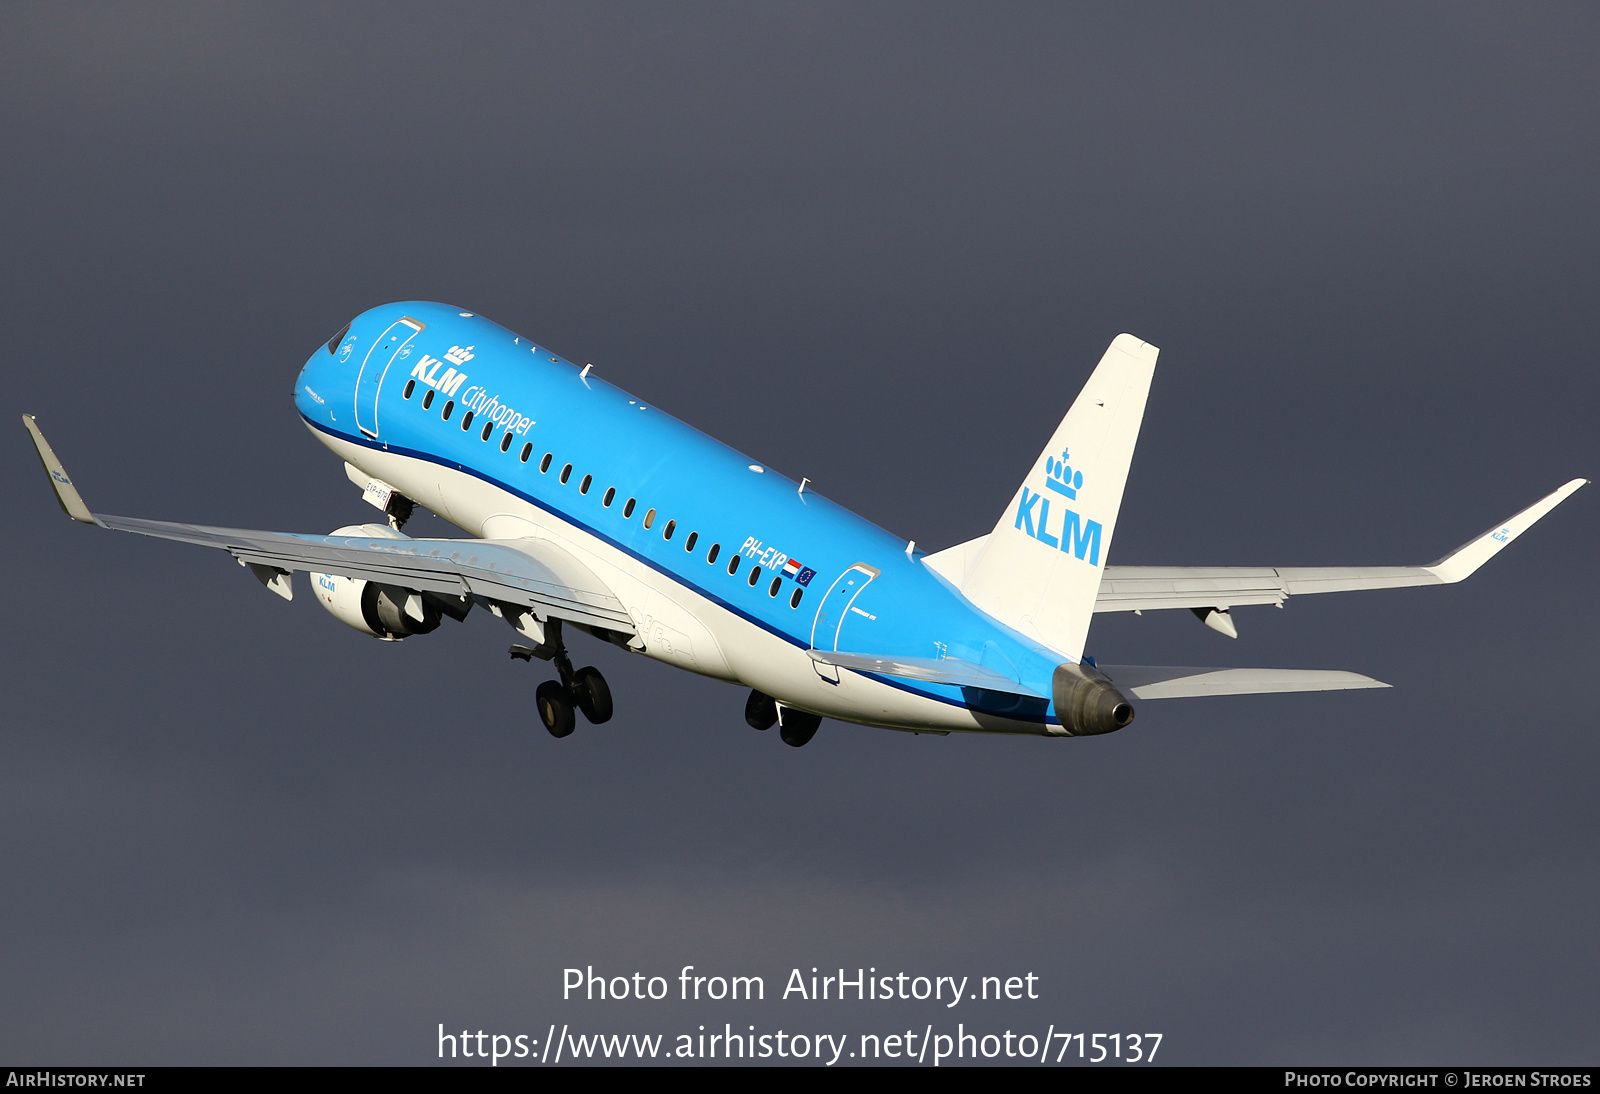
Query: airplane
{"points": [[591, 511]]}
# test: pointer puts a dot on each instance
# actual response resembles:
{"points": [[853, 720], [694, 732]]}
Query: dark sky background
{"points": [[881, 246]]}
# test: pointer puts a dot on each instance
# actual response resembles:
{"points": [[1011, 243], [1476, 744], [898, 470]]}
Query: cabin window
{"points": [[755, 575], [505, 442], [427, 399], [527, 450], [566, 473], [627, 510], [777, 583], [466, 423], [733, 563], [611, 492], [672, 526], [411, 385], [794, 601], [488, 428], [449, 408], [649, 518], [583, 487], [333, 343], [544, 464], [688, 544], [711, 555]]}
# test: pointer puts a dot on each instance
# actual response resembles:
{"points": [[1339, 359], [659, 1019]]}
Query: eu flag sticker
{"points": [[804, 576]]}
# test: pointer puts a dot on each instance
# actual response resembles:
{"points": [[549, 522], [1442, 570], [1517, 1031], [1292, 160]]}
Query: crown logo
{"points": [[459, 355], [1061, 478]]}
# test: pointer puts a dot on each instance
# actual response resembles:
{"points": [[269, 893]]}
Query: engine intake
{"points": [[383, 611], [1087, 702]]}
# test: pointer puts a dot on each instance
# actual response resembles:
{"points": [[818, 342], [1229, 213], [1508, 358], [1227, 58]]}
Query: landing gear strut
{"points": [[583, 688]]}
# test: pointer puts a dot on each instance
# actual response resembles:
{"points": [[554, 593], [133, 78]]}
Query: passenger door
{"points": [[831, 612], [375, 366]]}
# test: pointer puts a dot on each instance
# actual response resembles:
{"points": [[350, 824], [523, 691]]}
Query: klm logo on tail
{"points": [[1077, 536]]}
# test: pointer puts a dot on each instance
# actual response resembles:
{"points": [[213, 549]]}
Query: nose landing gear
{"points": [[584, 689]]}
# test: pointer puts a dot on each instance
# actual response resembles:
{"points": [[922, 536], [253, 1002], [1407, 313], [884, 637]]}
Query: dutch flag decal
{"points": [[791, 568]]}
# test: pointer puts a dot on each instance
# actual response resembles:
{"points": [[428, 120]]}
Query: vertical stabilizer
{"points": [[1040, 570]]}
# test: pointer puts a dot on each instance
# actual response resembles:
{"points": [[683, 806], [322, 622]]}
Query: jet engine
{"points": [[1087, 702], [383, 611]]}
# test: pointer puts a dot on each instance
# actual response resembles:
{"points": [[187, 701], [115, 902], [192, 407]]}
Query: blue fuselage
{"points": [[435, 384]]}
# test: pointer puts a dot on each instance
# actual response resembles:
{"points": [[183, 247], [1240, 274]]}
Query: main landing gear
{"points": [[796, 727], [584, 689]]}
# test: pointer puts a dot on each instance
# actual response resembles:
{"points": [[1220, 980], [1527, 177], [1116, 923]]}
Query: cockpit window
{"points": [[333, 343]]}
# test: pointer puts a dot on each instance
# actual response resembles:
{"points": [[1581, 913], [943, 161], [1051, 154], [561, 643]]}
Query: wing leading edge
{"points": [[526, 573]]}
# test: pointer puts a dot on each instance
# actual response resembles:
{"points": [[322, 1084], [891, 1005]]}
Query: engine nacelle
{"points": [[1087, 702], [383, 611]]}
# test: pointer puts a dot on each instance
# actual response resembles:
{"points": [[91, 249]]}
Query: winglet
{"points": [[1453, 567], [66, 493]]}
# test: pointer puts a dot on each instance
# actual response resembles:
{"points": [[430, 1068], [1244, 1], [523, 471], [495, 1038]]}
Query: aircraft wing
{"points": [[1148, 588], [524, 572], [1154, 682]]}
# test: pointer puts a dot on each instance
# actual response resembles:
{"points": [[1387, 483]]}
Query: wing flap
{"points": [[1171, 682], [1151, 588]]}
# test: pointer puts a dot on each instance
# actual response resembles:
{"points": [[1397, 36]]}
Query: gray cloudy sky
{"points": [[880, 246]]}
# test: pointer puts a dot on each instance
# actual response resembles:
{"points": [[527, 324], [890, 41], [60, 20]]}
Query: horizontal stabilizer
{"points": [[1165, 682], [933, 670]]}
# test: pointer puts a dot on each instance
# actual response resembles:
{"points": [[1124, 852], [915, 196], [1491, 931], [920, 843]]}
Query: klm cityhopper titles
{"points": [[588, 510]]}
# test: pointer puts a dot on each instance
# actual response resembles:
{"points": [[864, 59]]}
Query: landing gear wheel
{"points": [[555, 708], [592, 694], [760, 712], [798, 726]]}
